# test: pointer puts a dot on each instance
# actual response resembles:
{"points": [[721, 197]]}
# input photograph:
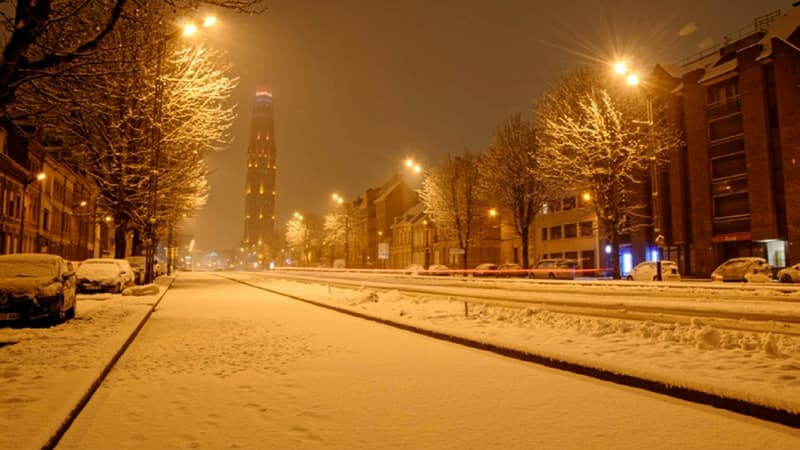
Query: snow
{"points": [[228, 369]]}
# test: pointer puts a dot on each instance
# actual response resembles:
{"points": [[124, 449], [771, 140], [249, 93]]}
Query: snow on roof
{"points": [[781, 29], [385, 191], [718, 71]]}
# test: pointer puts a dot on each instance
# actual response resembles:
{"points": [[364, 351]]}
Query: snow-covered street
{"points": [[220, 364]]}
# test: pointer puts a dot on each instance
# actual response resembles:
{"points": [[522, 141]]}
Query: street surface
{"points": [[223, 365]]}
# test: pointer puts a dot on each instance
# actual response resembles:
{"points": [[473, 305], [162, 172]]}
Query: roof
{"points": [[716, 65]]}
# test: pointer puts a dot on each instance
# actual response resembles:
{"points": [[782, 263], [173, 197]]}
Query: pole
{"points": [[156, 137], [654, 186], [22, 215]]}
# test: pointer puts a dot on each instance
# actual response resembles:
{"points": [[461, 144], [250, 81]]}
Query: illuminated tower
{"points": [[259, 203]]}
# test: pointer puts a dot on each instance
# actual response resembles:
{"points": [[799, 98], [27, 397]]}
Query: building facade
{"points": [[733, 189], [259, 242]]}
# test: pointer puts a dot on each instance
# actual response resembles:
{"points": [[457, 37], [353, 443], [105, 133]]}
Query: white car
{"points": [[648, 271], [790, 274], [750, 268], [104, 274]]}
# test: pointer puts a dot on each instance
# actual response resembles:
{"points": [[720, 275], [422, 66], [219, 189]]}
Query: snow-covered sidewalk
{"points": [[45, 372]]}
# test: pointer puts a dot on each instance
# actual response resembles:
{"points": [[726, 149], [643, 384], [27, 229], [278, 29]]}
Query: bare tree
{"points": [[55, 38], [512, 176], [453, 201], [594, 137], [303, 236], [342, 224]]}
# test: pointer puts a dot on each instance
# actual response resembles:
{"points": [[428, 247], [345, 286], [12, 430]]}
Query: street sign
{"points": [[383, 250], [457, 251]]}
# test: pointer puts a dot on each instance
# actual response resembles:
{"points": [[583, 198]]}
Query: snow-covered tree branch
{"points": [[595, 137]]}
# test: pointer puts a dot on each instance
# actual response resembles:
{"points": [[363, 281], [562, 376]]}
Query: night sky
{"points": [[358, 85]]}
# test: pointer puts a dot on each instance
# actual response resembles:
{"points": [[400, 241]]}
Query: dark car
{"points": [[509, 270], [562, 268], [485, 270], [36, 286]]}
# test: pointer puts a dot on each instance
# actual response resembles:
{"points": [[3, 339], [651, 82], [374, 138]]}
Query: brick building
{"points": [[734, 188]]}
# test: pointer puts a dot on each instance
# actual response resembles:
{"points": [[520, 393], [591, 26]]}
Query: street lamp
{"points": [[158, 100], [632, 79], [39, 177]]}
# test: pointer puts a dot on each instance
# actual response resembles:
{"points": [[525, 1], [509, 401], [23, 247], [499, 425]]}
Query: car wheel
{"points": [[70, 314], [786, 278], [552, 276], [56, 315], [629, 278]]}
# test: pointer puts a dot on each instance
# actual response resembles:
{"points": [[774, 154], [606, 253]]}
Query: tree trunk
{"points": [[525, 255], [120, 241], [616, 274]]}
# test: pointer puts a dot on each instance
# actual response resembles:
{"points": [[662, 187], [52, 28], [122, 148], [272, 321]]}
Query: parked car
{"points": [[751, 268], [414, 269], [510, 270], [560, 268], [104, 274], [139, 265], [648, 271], [438, 269], [485, 270], [789, 274], [35, 286]]}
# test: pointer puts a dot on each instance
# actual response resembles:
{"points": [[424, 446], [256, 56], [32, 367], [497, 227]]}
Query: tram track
{"points": [[733, 308]]}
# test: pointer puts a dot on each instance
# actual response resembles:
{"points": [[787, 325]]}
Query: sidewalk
{"points": [[45, 373]]}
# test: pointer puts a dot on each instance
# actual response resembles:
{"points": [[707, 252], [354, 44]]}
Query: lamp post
{"points": [[340, 201], [632, 79], [39, 177], [158, 100], [427, 244]]}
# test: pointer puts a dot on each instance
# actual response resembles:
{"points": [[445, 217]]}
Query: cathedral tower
{"points": [[259, 203]]}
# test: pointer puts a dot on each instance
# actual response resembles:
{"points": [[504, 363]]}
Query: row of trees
{"points": [[108, 81], [588, 134]]}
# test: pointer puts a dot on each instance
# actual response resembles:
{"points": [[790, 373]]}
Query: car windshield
{"points": [[28, 269]]}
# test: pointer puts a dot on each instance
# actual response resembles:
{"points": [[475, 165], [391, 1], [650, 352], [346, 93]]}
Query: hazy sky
{"points": [[358, 85]]}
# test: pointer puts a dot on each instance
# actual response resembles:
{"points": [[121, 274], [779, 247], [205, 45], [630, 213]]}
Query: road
{"points": [[223, 365]]}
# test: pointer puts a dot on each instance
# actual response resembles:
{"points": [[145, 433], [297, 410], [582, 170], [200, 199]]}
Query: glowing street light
{"points": [[620, 68], [413, 165]]}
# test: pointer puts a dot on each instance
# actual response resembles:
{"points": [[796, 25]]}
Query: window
{"points": [[46, 219], [571, 255], [587, 229], [544, 234], [570, 230], [728, 166], [569, 203], [555, 232]]}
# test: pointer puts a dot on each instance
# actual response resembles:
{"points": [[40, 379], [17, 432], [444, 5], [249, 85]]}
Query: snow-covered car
{"points": [[35, 286], [104, 274], [648, 271], [749, 268], [414, 269], [790, 274], [438, 269], [561, 268]]}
